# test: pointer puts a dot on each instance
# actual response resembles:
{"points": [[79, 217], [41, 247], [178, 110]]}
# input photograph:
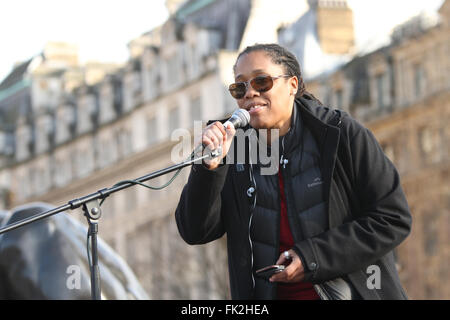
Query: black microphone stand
{"points": [[91, 208]]}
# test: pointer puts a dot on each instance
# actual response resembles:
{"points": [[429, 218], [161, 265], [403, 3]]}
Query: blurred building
{"points": [[68, 130]]}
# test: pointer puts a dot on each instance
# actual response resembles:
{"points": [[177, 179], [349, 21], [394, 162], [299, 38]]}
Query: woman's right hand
{"points": [[215, 136]]}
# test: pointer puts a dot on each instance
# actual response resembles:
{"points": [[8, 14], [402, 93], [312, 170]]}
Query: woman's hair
{"points": [[281, 56]]}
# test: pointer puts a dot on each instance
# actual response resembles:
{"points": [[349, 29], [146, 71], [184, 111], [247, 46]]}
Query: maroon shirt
{"points": [[298, 290]]}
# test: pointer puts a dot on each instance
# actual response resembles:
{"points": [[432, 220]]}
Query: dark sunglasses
{"points": [[259, 83]]}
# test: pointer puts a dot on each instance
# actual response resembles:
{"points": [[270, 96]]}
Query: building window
{"points": [[85, 162], [430, 230], [108, 151], [174, 119], [152, 133], [196, 109], [33, 176], [339, 98], [74, 163], [106, 103], [23, 134], [118, 96], [194, 63], [108, 208], [419, 80], [173, 72], [25, 186], [158, 83], [62, 175], [44, 180], [123, 142], [131, 199], [328, 97], [380, 90], [429, 144]]}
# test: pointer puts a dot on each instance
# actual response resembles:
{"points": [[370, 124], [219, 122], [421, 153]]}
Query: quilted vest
{"points": [[306, 208]]}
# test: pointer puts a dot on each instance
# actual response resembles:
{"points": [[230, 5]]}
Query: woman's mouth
{"points": [[256, 108]]}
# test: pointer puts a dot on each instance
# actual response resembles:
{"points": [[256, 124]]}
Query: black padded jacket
{"points": [[368, 215]]}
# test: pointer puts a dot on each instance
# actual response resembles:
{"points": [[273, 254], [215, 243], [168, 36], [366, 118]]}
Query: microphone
{"points": [[239, 119]]}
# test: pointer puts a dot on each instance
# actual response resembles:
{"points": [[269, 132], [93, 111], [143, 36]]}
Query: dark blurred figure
{"points": [[47, 259]]}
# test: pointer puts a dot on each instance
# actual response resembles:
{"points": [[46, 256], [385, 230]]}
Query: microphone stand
{"points": [[92, 212]]}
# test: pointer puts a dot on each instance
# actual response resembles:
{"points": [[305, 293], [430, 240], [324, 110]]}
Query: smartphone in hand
{"points": [[268, 271]]}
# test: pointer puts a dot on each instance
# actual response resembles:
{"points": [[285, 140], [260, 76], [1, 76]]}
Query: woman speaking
{"points": [[331, 215]]}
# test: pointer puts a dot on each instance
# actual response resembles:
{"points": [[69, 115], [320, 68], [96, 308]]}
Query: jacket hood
{"points": [[310, 112], [316, 109]]}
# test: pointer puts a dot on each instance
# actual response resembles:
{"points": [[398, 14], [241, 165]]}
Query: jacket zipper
{"points": [[284, 161]]}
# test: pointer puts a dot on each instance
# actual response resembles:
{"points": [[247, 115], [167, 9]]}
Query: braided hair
{"points": [[284, 57]]}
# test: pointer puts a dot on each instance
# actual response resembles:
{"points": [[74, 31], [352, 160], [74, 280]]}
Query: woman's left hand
{"points": [[294, 272]]}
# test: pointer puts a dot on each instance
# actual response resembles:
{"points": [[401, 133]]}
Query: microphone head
{"points": [[243, 116]]}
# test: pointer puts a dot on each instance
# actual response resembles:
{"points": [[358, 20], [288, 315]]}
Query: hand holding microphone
{"points": [[218, 135]]}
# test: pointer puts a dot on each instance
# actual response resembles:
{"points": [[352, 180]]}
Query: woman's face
{"points": [[271, 109]]}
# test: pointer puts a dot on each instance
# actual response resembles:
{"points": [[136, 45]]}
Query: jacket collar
{"points": [[310, 113], [293, 136], [317, 117]]}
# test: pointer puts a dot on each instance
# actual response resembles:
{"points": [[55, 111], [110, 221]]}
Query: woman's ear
{"points": [[293, 82]]}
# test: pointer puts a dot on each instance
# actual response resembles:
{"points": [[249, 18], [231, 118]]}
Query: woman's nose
{"points": [[250, 93]]}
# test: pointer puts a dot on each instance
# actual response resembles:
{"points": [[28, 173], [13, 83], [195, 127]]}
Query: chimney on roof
{"points": [[173, 5], [61, 54], [334, 25]]}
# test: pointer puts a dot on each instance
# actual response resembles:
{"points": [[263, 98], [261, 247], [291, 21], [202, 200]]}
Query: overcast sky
{"points": [[102, 28]]}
